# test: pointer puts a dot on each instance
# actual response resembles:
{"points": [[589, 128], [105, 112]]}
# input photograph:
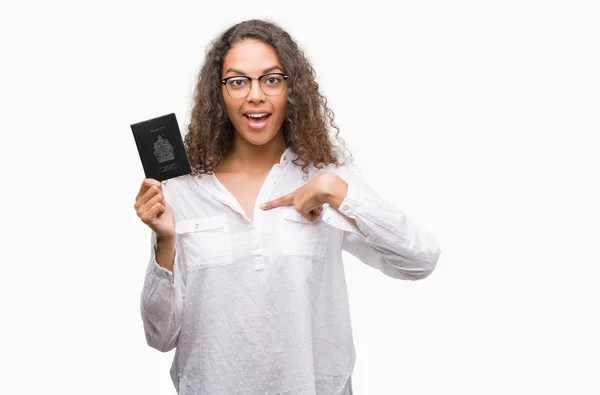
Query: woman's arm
{"points": [[162, 296], [376, 232]]}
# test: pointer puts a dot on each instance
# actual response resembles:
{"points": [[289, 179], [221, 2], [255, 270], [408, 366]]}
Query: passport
{"points": [[161, 148]]}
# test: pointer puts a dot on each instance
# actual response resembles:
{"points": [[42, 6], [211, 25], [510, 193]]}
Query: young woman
{"points": [[246, 277]]}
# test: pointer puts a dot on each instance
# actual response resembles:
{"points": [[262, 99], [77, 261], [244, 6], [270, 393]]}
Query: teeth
{"points": [[256, 115]]}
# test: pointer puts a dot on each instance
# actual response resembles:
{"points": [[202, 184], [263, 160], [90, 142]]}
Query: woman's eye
{"points": [[237, 83]]}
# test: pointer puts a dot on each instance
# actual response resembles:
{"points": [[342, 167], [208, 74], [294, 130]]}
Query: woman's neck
{"points": [[253, 159]]}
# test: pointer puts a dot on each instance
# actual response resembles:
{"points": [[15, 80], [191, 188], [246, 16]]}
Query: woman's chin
{"points": [[258, 137]]}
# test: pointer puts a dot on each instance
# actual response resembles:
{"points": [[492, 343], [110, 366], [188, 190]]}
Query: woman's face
{"points": [[256, 117]]}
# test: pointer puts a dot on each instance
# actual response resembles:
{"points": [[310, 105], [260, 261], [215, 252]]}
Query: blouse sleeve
{"points": [[387, 240], [162, 303]]}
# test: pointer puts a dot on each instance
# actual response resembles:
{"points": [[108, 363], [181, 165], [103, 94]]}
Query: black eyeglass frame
{"points": [[224, 81]]}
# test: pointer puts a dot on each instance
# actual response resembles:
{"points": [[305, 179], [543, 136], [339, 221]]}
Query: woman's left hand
{"points": [[308, 200]]}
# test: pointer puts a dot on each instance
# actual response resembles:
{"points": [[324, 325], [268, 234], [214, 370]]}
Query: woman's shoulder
{"points": [[183, 185], [340, 169], [177, 182]]}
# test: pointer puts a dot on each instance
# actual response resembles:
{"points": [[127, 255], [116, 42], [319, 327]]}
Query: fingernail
{"points": [[263, 206]]}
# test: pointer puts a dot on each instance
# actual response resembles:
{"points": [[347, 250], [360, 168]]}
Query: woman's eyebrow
{"points": [[265, 71], [231, 70]]}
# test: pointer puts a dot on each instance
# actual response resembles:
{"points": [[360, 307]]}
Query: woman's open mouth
{"points": [[257, 120]]}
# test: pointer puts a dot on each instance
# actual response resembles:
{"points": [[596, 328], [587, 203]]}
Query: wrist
{"points": [[165, 252], [165, 239]]}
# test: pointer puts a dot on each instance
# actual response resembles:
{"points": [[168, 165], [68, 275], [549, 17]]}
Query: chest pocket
{"points": [[206, 241], [301, 237]]}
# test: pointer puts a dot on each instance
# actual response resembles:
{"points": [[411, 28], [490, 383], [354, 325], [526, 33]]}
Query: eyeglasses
{"points": [[239, 86]]}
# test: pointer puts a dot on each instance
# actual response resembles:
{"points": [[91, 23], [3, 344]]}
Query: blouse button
{"points": [[328, 219], [345, 208]]}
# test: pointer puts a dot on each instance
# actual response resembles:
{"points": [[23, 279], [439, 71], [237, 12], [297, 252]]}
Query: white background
{"points": [[479, 119]]}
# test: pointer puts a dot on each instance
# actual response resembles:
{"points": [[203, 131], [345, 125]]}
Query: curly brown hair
{"points": [[305, 128]]}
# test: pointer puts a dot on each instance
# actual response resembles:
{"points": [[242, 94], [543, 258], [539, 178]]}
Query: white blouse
{"points": [[261, 307]]}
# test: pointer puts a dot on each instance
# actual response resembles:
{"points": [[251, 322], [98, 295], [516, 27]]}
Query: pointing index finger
{"points": [[281, 201]]}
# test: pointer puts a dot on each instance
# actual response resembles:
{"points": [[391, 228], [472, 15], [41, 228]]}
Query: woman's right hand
{"points": [[154, 210]]}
